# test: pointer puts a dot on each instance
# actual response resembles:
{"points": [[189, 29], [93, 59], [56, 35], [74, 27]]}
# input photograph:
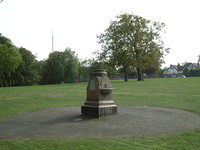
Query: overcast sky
{"points": [[76, 23]]}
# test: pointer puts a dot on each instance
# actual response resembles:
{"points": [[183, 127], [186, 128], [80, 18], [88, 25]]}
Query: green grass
{"points": [[181, 93]]}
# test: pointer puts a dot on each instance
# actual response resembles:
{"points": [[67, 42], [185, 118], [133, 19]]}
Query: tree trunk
{"points": [[125, 74], [10, 81], [140, 76], [1, 83], [1, 80]]}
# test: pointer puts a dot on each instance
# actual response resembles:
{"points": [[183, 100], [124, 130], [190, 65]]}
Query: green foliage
{"points": [[86, 67], [60, 67], [153, 72], [191, 73], [9, 60], [28, 72], [70, 61], [83, 69], [5, 41], [131, 40], [102, 65], [18, 66]]}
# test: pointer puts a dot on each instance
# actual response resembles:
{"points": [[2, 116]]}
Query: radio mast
{"points": [[52, 42]]}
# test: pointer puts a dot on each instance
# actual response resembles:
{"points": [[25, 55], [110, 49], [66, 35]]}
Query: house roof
{"points": [[180, 68], [188, 64]]}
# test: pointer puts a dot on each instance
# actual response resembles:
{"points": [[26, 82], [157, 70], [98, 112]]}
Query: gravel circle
{"points": [[68, 122]]}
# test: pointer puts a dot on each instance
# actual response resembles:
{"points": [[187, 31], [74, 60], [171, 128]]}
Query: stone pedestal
{"points": [[99, 96]]}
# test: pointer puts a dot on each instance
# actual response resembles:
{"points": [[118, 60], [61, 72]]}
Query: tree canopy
{"points": [[131, 40], [28, 72], [19, 67], [60, 67], [9, 60]]}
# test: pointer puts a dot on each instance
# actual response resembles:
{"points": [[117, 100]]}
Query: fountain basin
{"points": [[106, 91]]}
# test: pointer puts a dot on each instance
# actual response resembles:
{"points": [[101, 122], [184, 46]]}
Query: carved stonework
{"points": [[99, 96]]}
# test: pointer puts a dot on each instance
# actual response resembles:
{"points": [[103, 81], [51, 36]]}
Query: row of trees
{"points": [[192, 73], [130, 44], [19, 67], [9, 60]]}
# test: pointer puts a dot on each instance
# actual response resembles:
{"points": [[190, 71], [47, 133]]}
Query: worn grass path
{"points": [[181, 93]]}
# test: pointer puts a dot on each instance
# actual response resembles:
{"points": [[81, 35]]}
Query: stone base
{"points": [[98, 111]]}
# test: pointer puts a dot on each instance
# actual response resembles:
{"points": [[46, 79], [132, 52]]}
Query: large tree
{"points": [[60, 67], [28, 71], [131, 40], [71, 62], [9, 60]]}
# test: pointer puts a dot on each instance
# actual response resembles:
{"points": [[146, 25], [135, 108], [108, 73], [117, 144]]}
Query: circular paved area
{"points": [[67, 122]]}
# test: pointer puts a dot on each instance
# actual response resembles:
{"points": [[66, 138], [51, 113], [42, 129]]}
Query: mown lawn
{"points": [[181, 93]]}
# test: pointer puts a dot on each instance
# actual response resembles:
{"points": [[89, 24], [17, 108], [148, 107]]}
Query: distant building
{"points": [[177, 70], [191, 66]]}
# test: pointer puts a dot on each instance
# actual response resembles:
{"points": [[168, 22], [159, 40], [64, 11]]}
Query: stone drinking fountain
{"points": [[99, 96]]}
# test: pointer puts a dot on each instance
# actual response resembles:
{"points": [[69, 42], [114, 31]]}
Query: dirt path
{"points": [[67, 122]]}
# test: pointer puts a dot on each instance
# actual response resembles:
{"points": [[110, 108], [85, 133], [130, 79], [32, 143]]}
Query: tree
{"points": [[5, 41], [9, 60], [131, 40], [70, 60], [60, 67], [84, 69], [198, 62], [153, 71], [191, 72], [53, 71], [28, 71], [94, 64]]}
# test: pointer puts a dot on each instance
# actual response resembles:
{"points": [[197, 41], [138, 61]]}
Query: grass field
{"points": [[181, 93]]}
